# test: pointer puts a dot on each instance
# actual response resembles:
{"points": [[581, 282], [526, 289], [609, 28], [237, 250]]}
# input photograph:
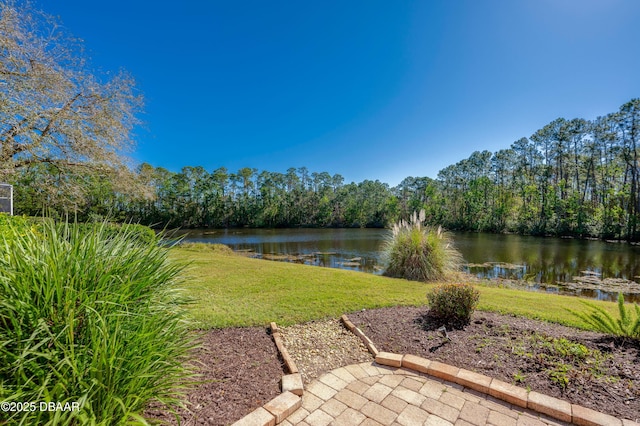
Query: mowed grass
{"points": [[232, 290]]}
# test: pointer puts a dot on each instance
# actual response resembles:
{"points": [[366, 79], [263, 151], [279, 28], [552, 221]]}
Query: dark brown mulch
{"points": [[585, 368], [240, 371]]}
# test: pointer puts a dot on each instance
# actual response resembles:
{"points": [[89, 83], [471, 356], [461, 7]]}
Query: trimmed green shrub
{"points": [[92, 317], [601, 320], [419, 253], [453, 304], [15, 225]]}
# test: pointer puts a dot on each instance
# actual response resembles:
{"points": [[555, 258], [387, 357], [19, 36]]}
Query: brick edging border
{"points": [[553, 407], [280, 407]]}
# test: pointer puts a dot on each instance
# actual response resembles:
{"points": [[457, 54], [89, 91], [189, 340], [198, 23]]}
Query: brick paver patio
{"points": [[409, 390], [371, 394]]}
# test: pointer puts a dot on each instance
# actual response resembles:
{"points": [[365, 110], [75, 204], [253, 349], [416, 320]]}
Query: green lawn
{"points": [[232, 290]]}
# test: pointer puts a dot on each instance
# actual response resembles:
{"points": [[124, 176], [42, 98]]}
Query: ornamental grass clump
{"points": [[420, 253], [91, 318], [453, 304]]}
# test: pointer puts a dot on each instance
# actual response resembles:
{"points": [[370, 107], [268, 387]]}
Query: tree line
{"points": [[194, 197], [572, 177], [63, 129]]}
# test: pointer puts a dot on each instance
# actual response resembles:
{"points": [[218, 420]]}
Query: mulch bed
{"points": [[240, 371], [585, 368]]}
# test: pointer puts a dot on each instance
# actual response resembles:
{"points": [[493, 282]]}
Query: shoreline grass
{"points": [[230, 290]]}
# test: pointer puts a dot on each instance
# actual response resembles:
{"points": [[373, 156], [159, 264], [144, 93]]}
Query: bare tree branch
{"points": [[53, 109]]}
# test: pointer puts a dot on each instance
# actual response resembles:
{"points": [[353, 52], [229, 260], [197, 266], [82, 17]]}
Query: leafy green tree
{"points": [[628, 120], [502, 169]]}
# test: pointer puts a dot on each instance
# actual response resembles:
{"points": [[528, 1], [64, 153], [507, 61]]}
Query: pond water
{"points": [[588, 268]]}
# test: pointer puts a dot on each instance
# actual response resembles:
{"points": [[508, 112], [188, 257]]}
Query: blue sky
{"points": [[367, 89]]}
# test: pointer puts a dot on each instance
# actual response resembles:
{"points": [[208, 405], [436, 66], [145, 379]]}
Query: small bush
{"points": [[10, 226], [419, 253], [603, 321], [453, 304], [91, 316]]}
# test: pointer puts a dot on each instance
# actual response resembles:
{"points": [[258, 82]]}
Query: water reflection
{"points": [[549, 260], [547, 264], [350, 249]]}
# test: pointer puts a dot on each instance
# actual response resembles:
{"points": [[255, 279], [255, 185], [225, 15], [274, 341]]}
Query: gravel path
{"points": [[321, 346]]}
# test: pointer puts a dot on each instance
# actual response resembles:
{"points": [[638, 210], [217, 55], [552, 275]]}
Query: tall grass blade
{"points": [[90, 314], [420, 253]]}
